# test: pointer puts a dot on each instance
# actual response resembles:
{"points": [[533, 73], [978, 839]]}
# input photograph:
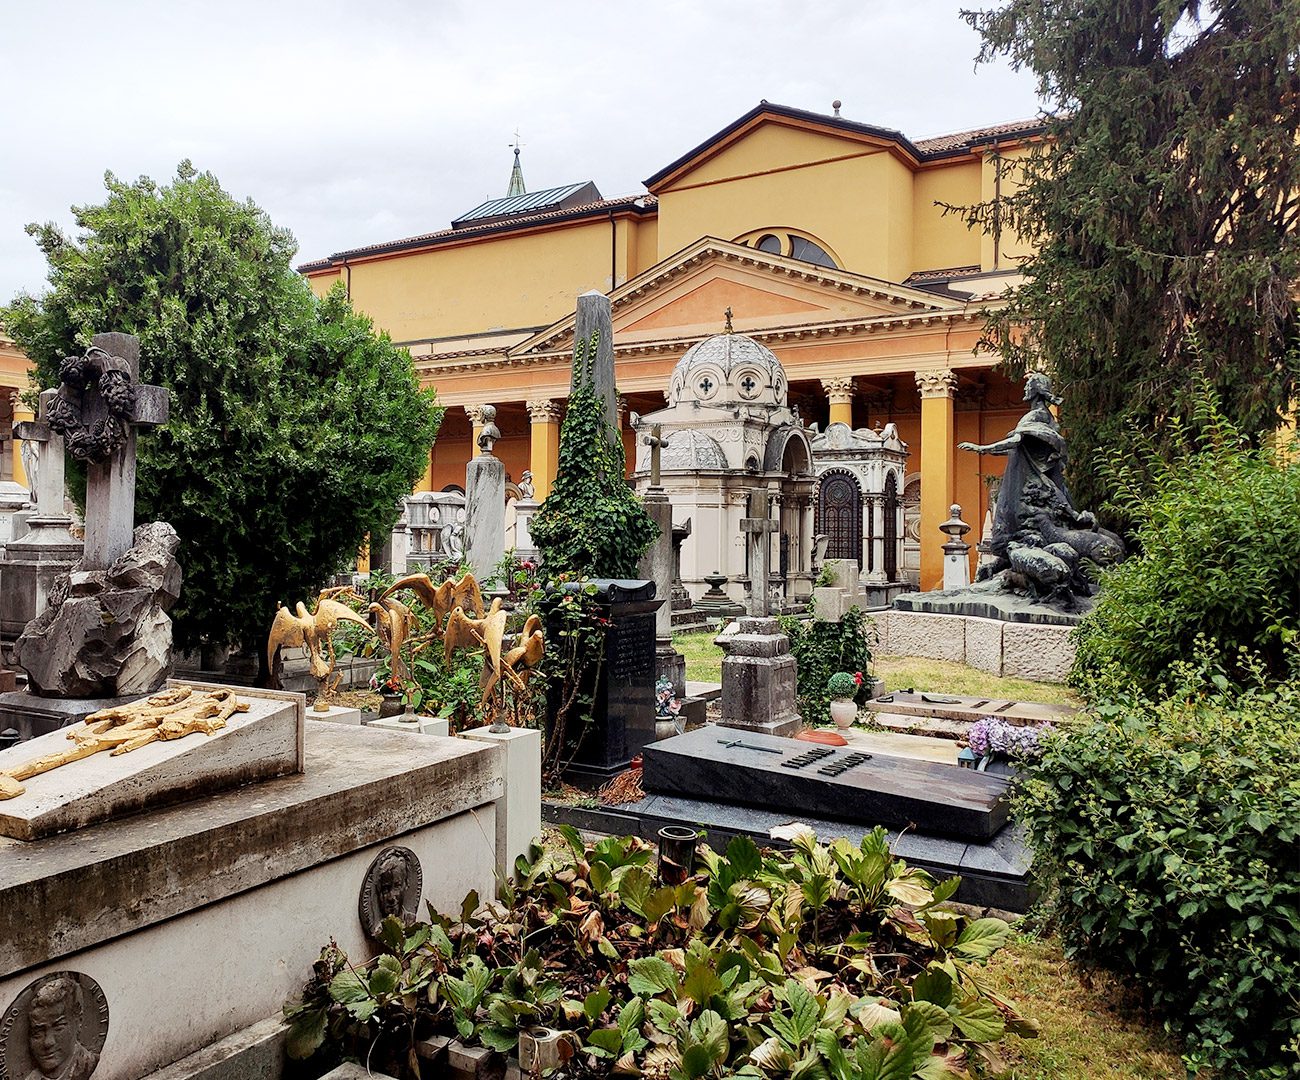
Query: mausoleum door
{"points": [[839, 515], [890, 528]]}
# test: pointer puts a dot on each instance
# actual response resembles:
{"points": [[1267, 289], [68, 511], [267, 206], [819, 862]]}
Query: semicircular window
{"points": [[783, 242], [807, 251]]}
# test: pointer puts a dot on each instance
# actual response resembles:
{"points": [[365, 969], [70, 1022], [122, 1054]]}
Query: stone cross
{"points": [[110, 485], [656, 441], [758, 526], [47, 484]]}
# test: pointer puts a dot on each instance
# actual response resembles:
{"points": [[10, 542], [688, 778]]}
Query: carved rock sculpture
{"points": [[106, 633]]}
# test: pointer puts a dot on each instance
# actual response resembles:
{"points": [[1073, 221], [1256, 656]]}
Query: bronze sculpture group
{"points": [[1040, 545], [459, 620]]}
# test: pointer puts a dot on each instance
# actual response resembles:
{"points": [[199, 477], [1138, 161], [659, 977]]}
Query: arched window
{"points": [[788, 243]]}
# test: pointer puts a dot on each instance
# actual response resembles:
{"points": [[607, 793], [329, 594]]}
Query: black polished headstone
{"points": [[623, 697], [754, 769]]}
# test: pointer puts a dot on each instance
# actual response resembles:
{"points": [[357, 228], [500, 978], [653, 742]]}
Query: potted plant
{"points": [[842, 688]]}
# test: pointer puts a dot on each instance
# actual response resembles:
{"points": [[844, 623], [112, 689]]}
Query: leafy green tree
{"points": [[1215, 571], [1161, 206], [591, 524], [294, 429]]}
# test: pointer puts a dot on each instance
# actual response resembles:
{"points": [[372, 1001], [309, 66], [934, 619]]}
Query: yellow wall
{"points": [[1010, 248], [516, 280], [862, 206], [940, 241]]}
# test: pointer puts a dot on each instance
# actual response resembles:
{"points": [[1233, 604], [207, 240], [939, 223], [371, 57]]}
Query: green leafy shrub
{"points": [[1168, 835], [823, 648], [826, 962], [841, 685], [1216, 540], [591, 524]]}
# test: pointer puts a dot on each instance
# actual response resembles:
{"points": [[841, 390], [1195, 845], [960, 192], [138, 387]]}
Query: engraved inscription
{"points": [[630, 647]]}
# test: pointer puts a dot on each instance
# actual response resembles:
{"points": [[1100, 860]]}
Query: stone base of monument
{"points": [[336, 714], [758, 678], [264, 742], [1005, 606], [418, 725], [32, 715], [1040, 651], [200, 919]]}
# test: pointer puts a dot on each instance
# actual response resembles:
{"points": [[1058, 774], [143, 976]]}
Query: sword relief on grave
{"points": [[55, 1028], [172, 714]]}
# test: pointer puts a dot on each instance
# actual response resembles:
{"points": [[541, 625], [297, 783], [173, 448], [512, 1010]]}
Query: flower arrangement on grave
{"points": [[667, 704], [991, 738]]}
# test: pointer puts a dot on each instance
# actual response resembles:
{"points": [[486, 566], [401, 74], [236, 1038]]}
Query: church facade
{"points": [[827, 239]]}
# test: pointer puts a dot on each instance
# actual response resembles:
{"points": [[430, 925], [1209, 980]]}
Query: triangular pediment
{"points": [[688, 294]]}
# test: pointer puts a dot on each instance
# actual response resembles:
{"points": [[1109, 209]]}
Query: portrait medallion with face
{"points": [[393, 886], [54, 1030]]}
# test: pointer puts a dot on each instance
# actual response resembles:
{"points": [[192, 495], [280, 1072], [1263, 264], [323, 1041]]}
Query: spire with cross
{"points": [[517, 173]]}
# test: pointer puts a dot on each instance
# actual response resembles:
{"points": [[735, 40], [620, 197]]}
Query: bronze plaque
{"points": [[393, 885], [54, 1029]]}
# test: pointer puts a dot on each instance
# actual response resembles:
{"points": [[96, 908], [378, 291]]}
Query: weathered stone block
{"points": [[984, 644], [106, 633], [935, 637], [828, 604], [1037, 651]]}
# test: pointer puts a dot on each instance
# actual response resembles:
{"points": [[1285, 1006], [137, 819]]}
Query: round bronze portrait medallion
{"points": [[393, 885], [54, 1029]]}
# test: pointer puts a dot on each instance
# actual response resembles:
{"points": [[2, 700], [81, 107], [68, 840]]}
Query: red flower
{"points": [[857, 677]]}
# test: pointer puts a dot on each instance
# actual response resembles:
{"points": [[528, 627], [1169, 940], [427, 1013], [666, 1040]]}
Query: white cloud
{"points": [[357, 123]]}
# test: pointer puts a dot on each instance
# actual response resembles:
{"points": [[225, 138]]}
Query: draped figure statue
{"points": [[1041, 546]]}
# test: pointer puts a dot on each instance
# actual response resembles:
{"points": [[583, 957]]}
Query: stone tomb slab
{"points": [[775, 773], [265, 742]]}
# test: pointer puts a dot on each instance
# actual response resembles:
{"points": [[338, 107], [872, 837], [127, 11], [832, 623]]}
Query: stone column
{"points": [[593, 318], [21, 413], [544, 452], [839, 391], [937, 467], [475, 414]]}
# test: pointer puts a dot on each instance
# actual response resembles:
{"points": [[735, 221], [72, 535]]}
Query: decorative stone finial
{"points": [[728, 329]]}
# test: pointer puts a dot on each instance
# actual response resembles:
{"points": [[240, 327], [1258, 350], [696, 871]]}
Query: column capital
{"points": [[543, 410], [475, 414], [839, 389], [940, 383]]}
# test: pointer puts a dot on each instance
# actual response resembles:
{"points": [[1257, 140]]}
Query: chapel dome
{"points": [[728, 369], [691, 450]]}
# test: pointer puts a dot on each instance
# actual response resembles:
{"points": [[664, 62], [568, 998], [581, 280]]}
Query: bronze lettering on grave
{"points": [[631, 647], [55, 1029], [393, 886]]}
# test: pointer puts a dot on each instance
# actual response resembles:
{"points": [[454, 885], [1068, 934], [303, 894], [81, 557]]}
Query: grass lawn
{"points": [[704, 664], [1088, 1028]]}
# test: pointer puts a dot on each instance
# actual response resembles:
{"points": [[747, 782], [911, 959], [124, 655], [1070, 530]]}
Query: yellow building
{"points": [[14, 367], [827, 238]]}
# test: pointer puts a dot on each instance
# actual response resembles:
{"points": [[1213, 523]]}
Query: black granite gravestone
{"points": [[623, 697], [754, 769]]}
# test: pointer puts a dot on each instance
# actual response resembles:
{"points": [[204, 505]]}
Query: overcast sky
{"points": [[359, 122]]}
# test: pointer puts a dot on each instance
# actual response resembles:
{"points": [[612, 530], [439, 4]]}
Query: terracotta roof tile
{"points": [[962, 140]]}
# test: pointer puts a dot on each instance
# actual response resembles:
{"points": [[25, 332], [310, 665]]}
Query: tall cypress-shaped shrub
{"points": [[592, 524]]}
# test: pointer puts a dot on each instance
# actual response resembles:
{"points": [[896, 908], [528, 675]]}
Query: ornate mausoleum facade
{"points": [[826, 237]]}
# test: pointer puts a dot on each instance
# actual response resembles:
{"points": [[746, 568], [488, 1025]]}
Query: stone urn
{"points": [[844, 711], [391, 706]]}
